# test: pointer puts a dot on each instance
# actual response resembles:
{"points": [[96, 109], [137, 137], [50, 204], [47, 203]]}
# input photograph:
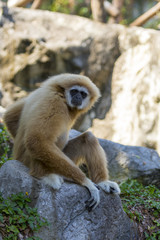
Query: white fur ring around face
{"points": [[110, 187]]}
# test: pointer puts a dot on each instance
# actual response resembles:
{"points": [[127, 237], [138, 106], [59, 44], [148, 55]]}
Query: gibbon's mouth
{"points": [[76, 107]]}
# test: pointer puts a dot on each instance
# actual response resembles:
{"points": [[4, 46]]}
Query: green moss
{"points": [[141, 203], [18, 218], [5, 145]]}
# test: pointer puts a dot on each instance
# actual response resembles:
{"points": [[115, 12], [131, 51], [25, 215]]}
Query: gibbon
{"points": [[40, 125]]}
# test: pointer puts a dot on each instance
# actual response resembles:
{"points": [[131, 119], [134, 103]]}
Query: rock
{"points": [[65, 208], [134, 117], [5, 17], [126, 162], [41, 43]]}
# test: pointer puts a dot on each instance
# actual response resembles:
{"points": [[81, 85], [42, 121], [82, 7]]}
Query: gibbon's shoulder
{"points": [[67, 80]]}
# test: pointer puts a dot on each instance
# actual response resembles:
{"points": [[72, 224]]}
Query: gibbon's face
{"points": [[77, 97]]}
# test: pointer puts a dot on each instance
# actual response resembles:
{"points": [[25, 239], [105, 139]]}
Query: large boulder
{"points": [[65, 209], [134, 116]]}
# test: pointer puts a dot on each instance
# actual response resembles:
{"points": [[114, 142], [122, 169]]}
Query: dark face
{"points": [[77, 97]]}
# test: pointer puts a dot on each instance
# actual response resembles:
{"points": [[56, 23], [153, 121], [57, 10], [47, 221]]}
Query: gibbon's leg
{"points": [[12, 116], [87, 147], [54, 161]]}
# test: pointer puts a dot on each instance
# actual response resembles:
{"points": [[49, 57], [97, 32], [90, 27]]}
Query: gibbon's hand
{"points": [[94, 200], [109, 187]]}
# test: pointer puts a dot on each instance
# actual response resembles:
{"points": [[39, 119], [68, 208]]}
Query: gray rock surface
{"points": [[130, 162], [65, 208]]}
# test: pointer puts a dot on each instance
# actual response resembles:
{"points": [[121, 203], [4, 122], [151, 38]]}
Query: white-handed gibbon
{"points": [[40, 125]]}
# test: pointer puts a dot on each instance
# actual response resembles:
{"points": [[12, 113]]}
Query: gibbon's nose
{"points": [[77, 99]]}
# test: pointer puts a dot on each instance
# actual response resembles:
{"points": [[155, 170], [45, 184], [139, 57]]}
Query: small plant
{"points": [[5, 145], [141, 203], [80, 7], [17, 219]]}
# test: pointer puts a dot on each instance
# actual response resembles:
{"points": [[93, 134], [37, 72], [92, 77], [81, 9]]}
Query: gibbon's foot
{"points": [[53, 180], [94, 200], [109, 187]]}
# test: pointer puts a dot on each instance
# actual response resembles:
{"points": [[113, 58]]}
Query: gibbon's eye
{"points": [[73, 92], [83, 94]]}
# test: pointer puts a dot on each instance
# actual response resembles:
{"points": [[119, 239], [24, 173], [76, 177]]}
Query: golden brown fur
{"points": [[40, 125]]}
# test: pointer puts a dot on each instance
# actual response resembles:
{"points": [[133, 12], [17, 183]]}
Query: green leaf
{"points": [[20, 215], [1, 218], [13, 228]]}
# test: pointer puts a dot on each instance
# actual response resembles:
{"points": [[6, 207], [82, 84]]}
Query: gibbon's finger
{"points": [[97, 186], [93, 201], [91, 205], [94, 193], [89, 209], [90, 202], [112, 190], [90, 199]]}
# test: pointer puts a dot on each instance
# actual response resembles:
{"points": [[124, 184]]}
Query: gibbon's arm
{"points": [[41, 144], [56, 162], [12, 116]]}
